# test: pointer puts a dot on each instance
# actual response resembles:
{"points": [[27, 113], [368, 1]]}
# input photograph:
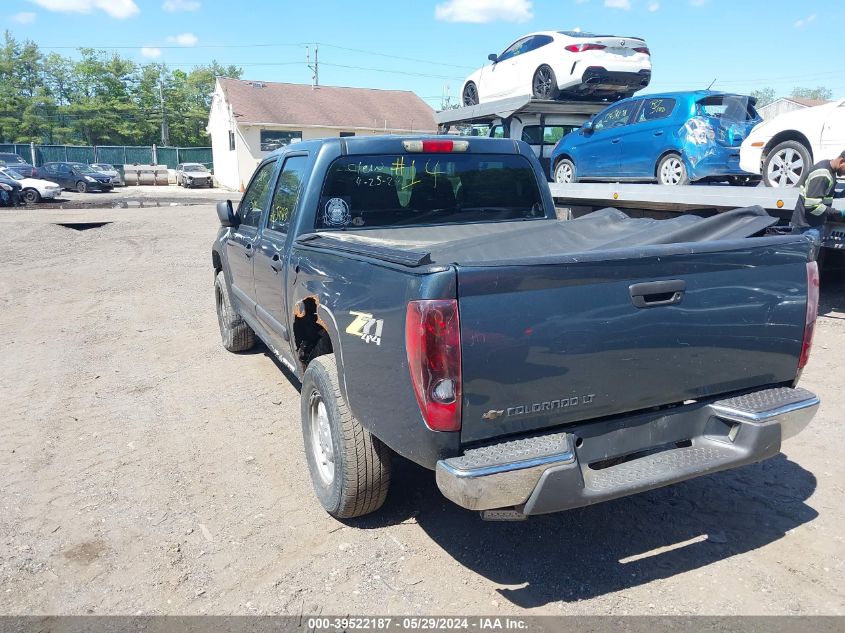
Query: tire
{"points": [[672, 171], [31, 196], [470, 94], [544, 84], [350, 469], [785, 164], [565, 172], [237, 336], [81, 187]]}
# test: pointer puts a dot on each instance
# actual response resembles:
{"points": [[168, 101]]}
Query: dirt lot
{"points": [[135, 196], [143, 469]]}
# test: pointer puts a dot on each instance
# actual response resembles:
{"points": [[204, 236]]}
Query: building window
{"points": [[345, 134], [274, 139], [231, 141]]}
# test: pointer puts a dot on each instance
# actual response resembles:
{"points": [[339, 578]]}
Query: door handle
{"points": [[249, 252], [659, 133], [653, 294], [276, 263], [615, 141]]}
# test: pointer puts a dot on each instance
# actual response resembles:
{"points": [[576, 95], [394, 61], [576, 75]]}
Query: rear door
{"points": [[645, 139], [543, 345], [601, 151], [242, 241], [271, 254]]}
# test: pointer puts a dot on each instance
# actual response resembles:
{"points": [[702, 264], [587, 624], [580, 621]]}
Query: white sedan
{"points": [[33, 189], [783, 148], [554, 64]]}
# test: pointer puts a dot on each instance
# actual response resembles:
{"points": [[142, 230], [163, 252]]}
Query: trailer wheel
{"points": [[672, 171], [565, 172], [470, 95]]}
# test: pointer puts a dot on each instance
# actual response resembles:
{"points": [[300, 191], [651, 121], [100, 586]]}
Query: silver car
{"points": [[111, 172], [193, 175]]}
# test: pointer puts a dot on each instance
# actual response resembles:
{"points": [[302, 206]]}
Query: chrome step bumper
{"points": [[597, 461]]}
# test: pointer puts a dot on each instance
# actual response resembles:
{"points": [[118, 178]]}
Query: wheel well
{"points": [[560, 158], [664, 155], [787, 135], [310, 335], [215, 261]]}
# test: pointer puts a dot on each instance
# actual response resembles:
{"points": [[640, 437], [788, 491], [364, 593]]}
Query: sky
{"points": [[430, 46]]}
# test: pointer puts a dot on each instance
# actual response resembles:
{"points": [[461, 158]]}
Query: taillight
{"points": [[433, 344], [644, 50], [812, 312], [580, 48]]}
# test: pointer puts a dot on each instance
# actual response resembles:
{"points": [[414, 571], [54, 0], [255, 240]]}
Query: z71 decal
{"points": [[365, 327]]}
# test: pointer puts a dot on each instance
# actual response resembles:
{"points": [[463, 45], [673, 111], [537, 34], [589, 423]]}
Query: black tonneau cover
{"points": [[606, 229]]}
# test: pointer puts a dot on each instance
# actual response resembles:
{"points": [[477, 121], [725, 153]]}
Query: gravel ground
{"points": [[146, 470], [163, 195]]}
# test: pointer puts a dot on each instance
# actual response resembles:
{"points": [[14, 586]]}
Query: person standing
{"points": [[815, 200]]}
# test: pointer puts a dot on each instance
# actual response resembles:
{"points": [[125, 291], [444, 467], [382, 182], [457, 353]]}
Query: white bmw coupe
{"points": [[563, 64]]}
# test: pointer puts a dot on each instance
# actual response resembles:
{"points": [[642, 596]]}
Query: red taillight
{"points": [[580, 48], [812, 312], [433, 344], [643, 50]]}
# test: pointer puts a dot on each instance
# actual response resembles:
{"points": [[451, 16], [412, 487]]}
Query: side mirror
{"points": [[493, 57], [226, 214], [588, 128]]}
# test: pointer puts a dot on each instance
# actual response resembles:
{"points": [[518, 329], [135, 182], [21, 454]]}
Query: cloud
{"points": [[120, 9], [151, 51], [805, 22], [618, 4], [653, 6], [24, 17], [184, 39], [483, 11], [175, 6]]}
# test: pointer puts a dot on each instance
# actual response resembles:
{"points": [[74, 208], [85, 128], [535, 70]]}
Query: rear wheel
{"points": [[785, 164], [350, 468], [31, 196], [81, 187], [565, 172], [236, 334], [672, 171], [544, 84], [470, 95]]}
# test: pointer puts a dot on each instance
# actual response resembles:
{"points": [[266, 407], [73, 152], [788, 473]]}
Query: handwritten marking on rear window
{"points": [[435, 171], [656, 105]]}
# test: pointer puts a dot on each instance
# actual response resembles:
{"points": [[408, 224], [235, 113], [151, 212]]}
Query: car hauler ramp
{"points": [[506, 108]]}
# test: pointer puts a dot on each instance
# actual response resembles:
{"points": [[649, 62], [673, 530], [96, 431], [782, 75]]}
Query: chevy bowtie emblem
{"points": [[493, 414]]}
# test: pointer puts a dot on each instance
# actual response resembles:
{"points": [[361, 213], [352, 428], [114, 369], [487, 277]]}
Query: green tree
{"points": [[820, 93], [764, 96]]}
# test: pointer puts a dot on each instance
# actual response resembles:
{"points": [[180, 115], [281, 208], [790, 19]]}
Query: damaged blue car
{"points": [[672, 138]]}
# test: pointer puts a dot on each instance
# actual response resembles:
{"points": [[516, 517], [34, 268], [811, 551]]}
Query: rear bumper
{"points": [[751, 159], [605, 460], [601, 79], [717, 161]]}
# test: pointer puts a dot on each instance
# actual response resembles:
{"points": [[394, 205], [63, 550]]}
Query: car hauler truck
{"points": [[542, 123]]}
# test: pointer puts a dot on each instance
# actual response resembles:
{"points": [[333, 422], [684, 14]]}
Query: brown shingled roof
{"points": [[810, 103], [330, 106]]}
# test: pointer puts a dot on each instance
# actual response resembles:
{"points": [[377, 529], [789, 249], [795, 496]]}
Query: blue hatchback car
{"points": [[671, 138]]}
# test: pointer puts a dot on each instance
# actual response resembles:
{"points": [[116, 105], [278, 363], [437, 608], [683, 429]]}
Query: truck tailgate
{"points": [[551, 342]]}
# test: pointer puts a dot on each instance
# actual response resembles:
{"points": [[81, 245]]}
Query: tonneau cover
{"points": [[606, 229]]}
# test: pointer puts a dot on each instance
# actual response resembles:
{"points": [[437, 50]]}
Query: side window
{"points": [[286, 194], [531, 134], [617, 116], [497, 131], [538, 41], [654, 109], [514, 49], [550, 134], [252, 205]]}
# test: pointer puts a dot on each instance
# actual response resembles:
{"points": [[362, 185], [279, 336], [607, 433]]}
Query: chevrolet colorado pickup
{"points": [[433, 306]]}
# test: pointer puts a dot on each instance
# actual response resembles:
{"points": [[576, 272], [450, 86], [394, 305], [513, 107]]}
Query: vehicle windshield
{"points": [[11, 173], [426, 189], [102, 167], [728, 108], [194, 167], [83, 168]]}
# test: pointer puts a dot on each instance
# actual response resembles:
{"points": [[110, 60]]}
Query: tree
{"points": [[764, 96], [819, 94]]}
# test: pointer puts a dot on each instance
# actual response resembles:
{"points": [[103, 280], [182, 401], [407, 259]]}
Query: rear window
{"points": [[425, 189], [728, 107]]}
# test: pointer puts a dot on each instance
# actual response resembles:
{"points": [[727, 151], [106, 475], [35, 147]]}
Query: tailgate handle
{"points": [[657, 293]]}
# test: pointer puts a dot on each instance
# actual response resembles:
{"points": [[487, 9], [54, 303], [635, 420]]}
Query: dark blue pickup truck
{"points": [[434, 307]]}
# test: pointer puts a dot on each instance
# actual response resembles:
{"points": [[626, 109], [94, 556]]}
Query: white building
{"points": [[249, 119], [787, 104]]}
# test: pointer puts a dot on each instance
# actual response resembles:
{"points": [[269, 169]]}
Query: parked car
{"points": [[554, 64], [75, 176], [433, 306], [8, 159], [33, 189], [672, 138], [109, 170], [193, 175], [782, 148], [10, 191]]}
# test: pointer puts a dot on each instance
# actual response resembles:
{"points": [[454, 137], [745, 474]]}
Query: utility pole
{"points": [[316, 67], [165, 129]]}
